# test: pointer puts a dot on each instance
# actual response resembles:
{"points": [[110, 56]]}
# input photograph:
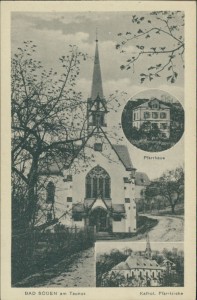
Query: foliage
{"points": [[169, 186], [157, 37], [149, 137], [106, 262]]}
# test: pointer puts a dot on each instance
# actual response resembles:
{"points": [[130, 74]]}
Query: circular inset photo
{"points": [[153, 120]]}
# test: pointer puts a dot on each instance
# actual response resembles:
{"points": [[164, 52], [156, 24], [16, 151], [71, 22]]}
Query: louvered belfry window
{"points": [[50, 192], [98, 183]]}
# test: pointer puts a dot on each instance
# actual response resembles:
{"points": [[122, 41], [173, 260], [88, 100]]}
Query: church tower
{"points": [[148, 248], [96, 104]]}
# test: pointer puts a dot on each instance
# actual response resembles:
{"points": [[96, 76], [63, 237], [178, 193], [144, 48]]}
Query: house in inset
{"points": [[154, 113]]}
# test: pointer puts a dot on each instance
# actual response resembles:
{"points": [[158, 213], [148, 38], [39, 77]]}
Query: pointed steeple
{"points": [[148, 248], [96, 104], [97, 88]]}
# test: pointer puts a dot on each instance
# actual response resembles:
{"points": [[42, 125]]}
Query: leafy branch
{"points": [[169, 26]]}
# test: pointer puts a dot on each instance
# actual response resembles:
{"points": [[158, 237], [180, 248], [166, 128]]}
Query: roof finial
{"points": [[96, 34]]}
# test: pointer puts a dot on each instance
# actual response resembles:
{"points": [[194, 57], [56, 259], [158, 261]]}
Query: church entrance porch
{"points": [[100, 219]]}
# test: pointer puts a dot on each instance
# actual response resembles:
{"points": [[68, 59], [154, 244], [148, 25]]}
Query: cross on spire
{"points": [[96, 35]]}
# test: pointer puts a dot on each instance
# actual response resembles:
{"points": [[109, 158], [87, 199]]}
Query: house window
{"points": [[163, 125], [69, 178], [155, 115], [98, 119], [69, 199], [98, 147], [50, 192], [163, 115], [98, 183], [77, 218], [127, 200], [117, 218], [146, 115]]}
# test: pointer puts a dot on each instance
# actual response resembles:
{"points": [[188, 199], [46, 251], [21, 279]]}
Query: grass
{"points": [[179, 211]]}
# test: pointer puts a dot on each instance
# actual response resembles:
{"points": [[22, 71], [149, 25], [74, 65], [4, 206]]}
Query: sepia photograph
{"points": [[153, 121], [140, 264], [75, 179], [96, 116]]}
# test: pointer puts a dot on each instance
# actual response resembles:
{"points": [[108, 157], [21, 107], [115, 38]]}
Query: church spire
{"points": [[97, 88], [148, 248]]}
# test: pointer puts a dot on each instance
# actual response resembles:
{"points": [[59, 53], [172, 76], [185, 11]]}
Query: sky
{"points": [[105, 247], [53, 32]]}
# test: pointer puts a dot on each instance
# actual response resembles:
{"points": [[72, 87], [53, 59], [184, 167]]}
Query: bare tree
{"points": [[48, 117]]}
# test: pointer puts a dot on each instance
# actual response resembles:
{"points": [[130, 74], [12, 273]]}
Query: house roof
{"points": [[123, 154], [147, 104], [141, 179], [167, 261], [118, 208]]}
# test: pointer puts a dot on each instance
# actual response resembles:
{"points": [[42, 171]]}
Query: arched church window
{"points": [[50, 192], [98, 183]]}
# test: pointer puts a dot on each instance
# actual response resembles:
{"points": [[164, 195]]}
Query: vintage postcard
{"points": [[98, 150]]}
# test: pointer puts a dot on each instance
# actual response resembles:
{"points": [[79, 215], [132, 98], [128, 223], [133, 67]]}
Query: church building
{"points": [[138, 269], [102, 194]]}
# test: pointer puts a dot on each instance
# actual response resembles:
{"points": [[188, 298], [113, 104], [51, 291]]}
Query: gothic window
{"points": [[50, 192], [98, 183]]}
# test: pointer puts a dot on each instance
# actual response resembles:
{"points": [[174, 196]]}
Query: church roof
{"points": [[141, 179], [97, 88], [123, 154], [121, 266], [135, 261], [56, 167]]}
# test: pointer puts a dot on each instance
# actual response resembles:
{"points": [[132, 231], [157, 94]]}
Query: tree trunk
{"points": [[32, 191], [173, 208]]}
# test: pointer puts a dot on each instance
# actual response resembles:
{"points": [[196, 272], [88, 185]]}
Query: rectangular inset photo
{"points": [[139, 264]]}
